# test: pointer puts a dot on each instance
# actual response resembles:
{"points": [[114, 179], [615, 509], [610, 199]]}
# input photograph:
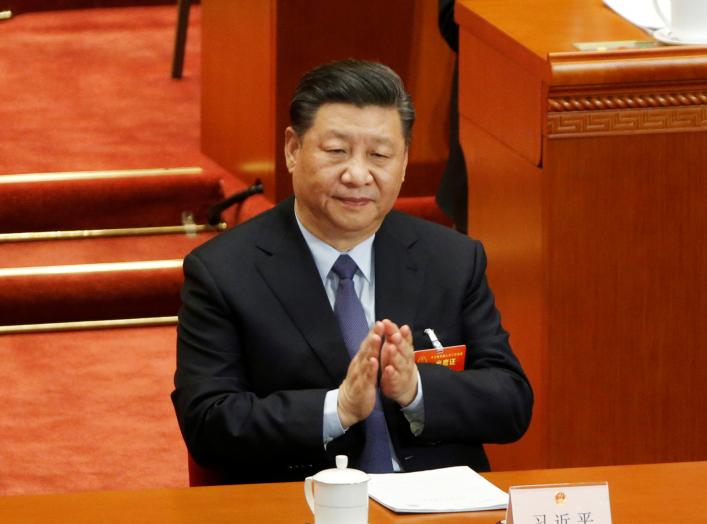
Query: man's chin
{"points": [[358, 224]]}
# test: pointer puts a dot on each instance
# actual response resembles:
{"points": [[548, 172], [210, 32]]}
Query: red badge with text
{"points": [[451, 357]]}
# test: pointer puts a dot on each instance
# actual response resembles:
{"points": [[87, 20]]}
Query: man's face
{"points": [[347, 169]]}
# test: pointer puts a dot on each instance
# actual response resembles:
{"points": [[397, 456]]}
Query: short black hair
{"points": [[356, 82]]}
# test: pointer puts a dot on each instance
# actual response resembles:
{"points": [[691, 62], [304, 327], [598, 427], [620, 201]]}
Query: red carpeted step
{"points": [[90, 292], [105, 199], [99, 278], [99, 250], [93, 279], [89, 410]]}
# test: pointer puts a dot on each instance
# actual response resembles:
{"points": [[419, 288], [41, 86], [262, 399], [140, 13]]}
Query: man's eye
{"points": [[379, 155], [336, 151]]}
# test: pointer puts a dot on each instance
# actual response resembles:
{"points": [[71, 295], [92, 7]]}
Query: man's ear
{"points": [[405, 162], [292, 147]]}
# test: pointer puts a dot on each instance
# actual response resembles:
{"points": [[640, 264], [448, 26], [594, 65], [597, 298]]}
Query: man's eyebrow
{"points": [[376, 139], [332, 133], [383, 140]]}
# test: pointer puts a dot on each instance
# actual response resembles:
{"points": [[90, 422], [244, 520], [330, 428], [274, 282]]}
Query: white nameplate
{"points": [[559, 504]]}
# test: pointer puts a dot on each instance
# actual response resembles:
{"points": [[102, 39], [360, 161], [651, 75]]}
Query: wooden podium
{"points": [[587, 186], [255, 51]]}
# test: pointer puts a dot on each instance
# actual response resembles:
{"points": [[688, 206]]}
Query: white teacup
{"points": [[687, 21], [338, 495]]}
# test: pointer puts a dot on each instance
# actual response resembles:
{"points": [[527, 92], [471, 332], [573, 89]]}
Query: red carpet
{"points": [[90, 90], [120, 202], [89, 410]]}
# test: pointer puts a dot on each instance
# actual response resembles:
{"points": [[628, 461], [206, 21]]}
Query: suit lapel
{"points": [[400, 269], [400, 266], [290, 272]]}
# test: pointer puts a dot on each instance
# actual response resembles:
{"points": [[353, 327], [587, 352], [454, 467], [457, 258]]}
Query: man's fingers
{"points": [[389, 327], [397, 354], [399, 336], [388, 348], [370, 348], [357, 392], [398, 377], [406, 333], [388, 376], [372, 370]]}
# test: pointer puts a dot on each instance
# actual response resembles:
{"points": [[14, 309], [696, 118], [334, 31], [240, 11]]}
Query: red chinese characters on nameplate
{"points": [[559, 504], [451, 357]]}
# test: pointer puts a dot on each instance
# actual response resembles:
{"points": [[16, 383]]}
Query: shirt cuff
{"points": [[415, 411], [332, 425]]}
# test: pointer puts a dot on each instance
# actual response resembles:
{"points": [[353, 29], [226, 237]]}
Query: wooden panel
{"points": [[627, 268], [352, 31], [646, 494], [500, 179], [614, 70], [545, 26], [501, 96], [619, 273], [251, 70], [428, 80], [238, 88]]}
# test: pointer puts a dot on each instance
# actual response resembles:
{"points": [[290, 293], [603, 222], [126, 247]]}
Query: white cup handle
{"points": [[662, 16], [309, 494]]}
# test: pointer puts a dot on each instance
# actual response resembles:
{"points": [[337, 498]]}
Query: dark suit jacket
{"points": [[259, 347]]}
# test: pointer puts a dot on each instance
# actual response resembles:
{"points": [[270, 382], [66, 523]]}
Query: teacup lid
{"points": [[341, 474]]}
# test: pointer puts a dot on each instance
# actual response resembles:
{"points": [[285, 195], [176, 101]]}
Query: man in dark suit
{"points": [[272, 378]]}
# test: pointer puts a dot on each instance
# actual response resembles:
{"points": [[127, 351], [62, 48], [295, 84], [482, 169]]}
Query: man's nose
{"points": [[357, 172]]}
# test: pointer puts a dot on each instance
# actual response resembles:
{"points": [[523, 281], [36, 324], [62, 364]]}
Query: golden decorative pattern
{"points": [[626, 101], [627, 121]]}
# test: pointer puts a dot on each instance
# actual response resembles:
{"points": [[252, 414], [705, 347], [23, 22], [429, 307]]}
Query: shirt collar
{"points": [[325, 255]]}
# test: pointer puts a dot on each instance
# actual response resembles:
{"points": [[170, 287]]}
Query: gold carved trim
{"points": [[97, 175], [88, 324], [626, 101], [188, 229], [102, 267], [627, 121]]}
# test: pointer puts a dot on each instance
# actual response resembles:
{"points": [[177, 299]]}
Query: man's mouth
{"points": [[354, 201]]}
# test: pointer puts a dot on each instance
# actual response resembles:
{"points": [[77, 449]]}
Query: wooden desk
{"points": [[644, 494], [587, 185]]}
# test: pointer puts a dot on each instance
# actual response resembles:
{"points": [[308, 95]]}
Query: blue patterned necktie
{"points": [[348, 310]]}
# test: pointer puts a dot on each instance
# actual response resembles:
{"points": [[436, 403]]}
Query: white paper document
{"points": [[442, 490], [640, 12]]}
